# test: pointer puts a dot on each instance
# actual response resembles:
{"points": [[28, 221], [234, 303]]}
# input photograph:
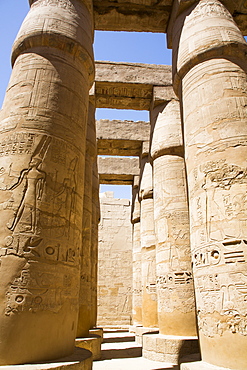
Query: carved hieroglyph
{"points": [[137, 260], [42, 180], [149, 296], [85, 296], [115, 262], [175, 288], [211, 60]]}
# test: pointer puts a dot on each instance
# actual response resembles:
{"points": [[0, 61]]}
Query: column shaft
{"points": [[42, 130]]}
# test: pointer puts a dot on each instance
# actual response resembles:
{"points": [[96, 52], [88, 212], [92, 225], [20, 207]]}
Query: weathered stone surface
{"points": [[175, 288], [118, 171], [128, 85], [121, 137], [214, 106], [168, 348], [150, 15], [42, 182], [115, 262], [93, 344]]}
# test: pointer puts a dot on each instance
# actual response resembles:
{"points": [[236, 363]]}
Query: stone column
{"points": [[43, 125], [175, 289], [149, 298], [95, 226], [137, 256], [87, 255], [209, 56]]}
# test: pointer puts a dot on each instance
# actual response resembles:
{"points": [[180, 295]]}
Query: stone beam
{"points": [[151, 15], [121, 138], [118, 171], [128, 85]]}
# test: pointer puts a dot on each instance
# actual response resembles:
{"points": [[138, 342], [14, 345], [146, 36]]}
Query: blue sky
{"points": [[111, 46]]}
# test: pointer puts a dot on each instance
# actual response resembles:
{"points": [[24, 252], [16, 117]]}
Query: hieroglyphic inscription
{"points": [[39, 209]]}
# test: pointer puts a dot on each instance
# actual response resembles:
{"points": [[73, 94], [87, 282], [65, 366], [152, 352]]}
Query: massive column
{"points": [[175, 289], [209, 68], [137, 256], [42, 130], [87, 253], [149, 298]]}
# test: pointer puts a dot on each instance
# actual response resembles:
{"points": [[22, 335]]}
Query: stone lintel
{"points": [[121, 138], [163, 94], [117, 170], [128, 85], [151, 16]]}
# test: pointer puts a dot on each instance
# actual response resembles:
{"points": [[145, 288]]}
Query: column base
{"points": [[200, 365], [81, 359], [140, 330], [93, 344], [99, 332], [168, 348]]}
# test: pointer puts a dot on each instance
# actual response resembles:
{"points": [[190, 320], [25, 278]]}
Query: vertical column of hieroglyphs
{"points": [[149, 298], [94, 243], [42, 135], [85, 296], [175, 288], [137, 267], [209, 64]]}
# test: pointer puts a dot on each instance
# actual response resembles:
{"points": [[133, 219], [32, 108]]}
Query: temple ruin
{"points": [[172, 268]]}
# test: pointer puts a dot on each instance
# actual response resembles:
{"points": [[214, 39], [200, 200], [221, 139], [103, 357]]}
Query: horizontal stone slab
{"points": [[129, 85], [121, 138], [117, 170], [149, 15]]}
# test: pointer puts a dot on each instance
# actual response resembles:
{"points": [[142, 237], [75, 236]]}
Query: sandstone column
{"points": [[149, 298], [137, 256], [87, 255], [43, 125], [175, 288], [94, 250], [209, 55]]}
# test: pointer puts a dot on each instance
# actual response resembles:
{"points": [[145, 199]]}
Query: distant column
{"points": [[94, 241], [149, 297], [175, 288], [209, 72], [42, 130], [87, 255], [137, 264]]}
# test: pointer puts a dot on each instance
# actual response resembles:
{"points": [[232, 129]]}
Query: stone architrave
{"points": [[175, 288], [94, 246], [42, 135], [87, 262], [209, 56], [149, 297], [137, 256]]}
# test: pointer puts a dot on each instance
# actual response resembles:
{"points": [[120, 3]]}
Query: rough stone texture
{"points": [[81, 359], [115, 262], [141, 330], [168, 348], [214, 102], [93, 344], [121, 137], [151, 15], [175, 288], [149, 297], [42, 182], [118, 171], [128, 85]]}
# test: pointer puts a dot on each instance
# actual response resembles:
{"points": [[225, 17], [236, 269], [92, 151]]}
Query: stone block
{"points": [[93, 344], [168, 348], [201, 365], [140, 330]]}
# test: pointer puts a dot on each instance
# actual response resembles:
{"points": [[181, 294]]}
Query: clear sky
{"points": [[111, 46]]}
